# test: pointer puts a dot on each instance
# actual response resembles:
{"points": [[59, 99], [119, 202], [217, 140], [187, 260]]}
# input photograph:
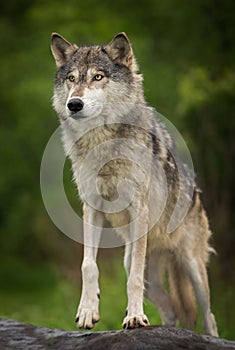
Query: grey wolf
{"points": [[99, 98]]}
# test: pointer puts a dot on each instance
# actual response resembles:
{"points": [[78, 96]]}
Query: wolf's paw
{"points": [[209, 325], [87, 318], [135, 322]]}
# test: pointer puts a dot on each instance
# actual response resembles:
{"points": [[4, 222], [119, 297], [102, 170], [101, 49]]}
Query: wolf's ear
{"points": [[61, 49], [120, 50]]}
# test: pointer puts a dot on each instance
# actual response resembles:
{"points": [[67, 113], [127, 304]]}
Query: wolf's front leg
{"points": [[135, 284], [88, 309]]}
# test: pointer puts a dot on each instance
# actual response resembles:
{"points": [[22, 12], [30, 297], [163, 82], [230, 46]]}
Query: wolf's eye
{"points": [[71, 78], [98, 77]]}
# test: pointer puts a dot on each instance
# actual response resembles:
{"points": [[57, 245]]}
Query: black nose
{"points": [[75, 105]]}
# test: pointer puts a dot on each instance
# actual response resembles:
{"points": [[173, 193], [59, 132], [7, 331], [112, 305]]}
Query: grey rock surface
{"points": [[17, 335]]}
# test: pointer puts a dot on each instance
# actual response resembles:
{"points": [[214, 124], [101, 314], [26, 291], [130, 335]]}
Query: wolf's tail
{"points": [[182, 295]]}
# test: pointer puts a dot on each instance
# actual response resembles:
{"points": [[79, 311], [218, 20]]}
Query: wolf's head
{"points": [[95, 80]]}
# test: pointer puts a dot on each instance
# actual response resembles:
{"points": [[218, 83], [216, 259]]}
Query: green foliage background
{"points": [[186, 52]]}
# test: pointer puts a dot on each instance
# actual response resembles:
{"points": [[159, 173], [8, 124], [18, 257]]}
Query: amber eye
{"points": [[71, 78], [98, 77]]}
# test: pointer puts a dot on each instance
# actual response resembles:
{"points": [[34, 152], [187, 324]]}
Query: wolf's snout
{"points": [[75, 105]]}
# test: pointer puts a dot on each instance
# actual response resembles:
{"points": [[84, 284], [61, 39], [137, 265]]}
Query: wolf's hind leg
{"points": [[155, 292], [198, 275]]}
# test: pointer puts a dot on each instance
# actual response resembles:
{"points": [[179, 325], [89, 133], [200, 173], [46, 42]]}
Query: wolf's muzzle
{"points": [[75, 105]]}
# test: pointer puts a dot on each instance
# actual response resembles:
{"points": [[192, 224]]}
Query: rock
{"points": [[17, 335]]}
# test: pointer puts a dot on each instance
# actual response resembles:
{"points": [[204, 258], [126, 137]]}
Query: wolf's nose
{"points": [[75, 105]]}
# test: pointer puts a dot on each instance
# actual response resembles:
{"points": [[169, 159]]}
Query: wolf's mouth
{"points": [[77, 116]]}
